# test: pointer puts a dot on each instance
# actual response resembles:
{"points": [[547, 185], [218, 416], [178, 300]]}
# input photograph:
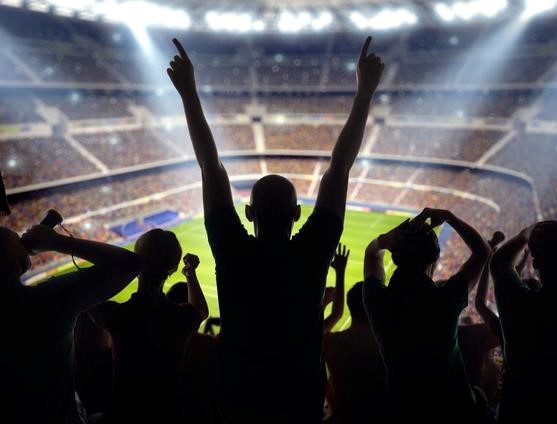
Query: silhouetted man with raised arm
{"points": [[529, 322], [415, 320], [272, 370], [37, 322]]}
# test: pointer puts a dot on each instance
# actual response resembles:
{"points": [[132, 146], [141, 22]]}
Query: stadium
{"points": [[90, 125], [464, 118]]}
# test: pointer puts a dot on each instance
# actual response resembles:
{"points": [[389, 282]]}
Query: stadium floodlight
{"points": [[38, 5], [233, 22], [322, 20], [298, 21], [70, 7], [12, 3], [537, 7], [385, 19], [468, 10]]}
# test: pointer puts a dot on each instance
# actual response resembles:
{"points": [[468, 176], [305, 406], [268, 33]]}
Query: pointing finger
{"points": [[365, 47]]}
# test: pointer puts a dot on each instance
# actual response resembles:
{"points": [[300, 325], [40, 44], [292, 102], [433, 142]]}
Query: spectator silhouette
{"points": [[149, 335], [275, 371], [93, 364], [4, 205], [178, 293], [415, 320], [335, 295], [357, 376], [37, 357], [528, 320], [477, 340]]}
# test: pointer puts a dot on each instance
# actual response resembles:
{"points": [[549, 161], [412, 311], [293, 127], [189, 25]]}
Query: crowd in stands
{"points": [[457, 144], [9, 71], [459, 105], [77, 105], [18, 109], [38, 160], [126, 148], [292, 137], [306, 104], [68, 66], [289, 75], [534, 155]]}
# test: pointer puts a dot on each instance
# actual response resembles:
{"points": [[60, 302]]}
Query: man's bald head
{"points": [[273, 203]]}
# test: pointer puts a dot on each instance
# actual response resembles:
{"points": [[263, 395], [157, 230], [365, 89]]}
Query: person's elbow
{"points": [[203, 313], [483, 251]]}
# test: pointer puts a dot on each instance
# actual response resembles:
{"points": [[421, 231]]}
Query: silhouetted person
{"points": [[149, 335], [4, 205], [178, 293], [37, 356], [93, 364], [275, 371], [529, 321], [357, 374], [335, 295], [415, 319], [477, 340]]}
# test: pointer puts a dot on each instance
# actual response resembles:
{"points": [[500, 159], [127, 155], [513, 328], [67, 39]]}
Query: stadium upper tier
{"points": [[52, 51]]}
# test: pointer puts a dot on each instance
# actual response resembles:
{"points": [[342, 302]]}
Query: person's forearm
{"points": [[507, 255], [338, 303], [202, 139], [373, 261], [351, 137], [481, 292], [97, 253], [196, 296], [469, 235]]}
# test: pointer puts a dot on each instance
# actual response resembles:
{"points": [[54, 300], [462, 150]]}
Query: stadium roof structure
{"points": [[291, 16]]}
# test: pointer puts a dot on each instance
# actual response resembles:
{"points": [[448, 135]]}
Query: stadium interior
{"points": [[89, 124]]}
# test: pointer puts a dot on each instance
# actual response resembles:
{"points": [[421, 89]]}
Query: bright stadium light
{"points": [[537, 7], [322, 21], [384, 19], [233, 22], [12, 3], [299, 21], [468, 10]]}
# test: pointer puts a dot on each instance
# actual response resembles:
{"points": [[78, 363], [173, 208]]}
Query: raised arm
{"points": [[195, 295], [334, 184], [113, 267], [395, 239], [489, 317], [339, 265], [504, 261], [471, 269], [216, 185]]}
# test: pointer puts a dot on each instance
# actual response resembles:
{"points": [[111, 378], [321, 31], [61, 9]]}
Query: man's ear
{"points": [[297, 213], [249, 213]]}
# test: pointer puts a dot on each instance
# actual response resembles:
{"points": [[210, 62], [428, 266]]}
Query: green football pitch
{"points": [[359, 228]]}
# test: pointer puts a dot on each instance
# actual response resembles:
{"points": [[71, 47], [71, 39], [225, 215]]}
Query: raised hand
{"points": [[181, 71], [436, 217], [191, 262], [341, 258], [370, 69], [40, 238]]}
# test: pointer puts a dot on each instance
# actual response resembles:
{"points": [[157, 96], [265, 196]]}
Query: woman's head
{"points": [[160, 251]]}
